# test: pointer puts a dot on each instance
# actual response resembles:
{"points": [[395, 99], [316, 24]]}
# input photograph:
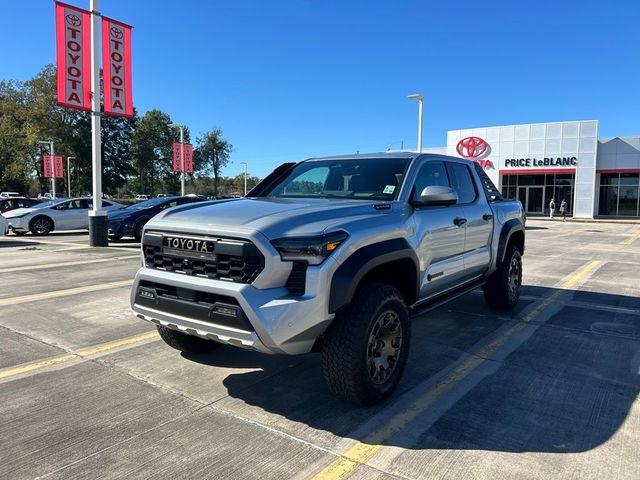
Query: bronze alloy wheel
{"points": [[384, 346]]}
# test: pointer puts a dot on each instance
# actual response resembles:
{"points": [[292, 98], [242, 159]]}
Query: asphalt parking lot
{"points": [[548, 391]]}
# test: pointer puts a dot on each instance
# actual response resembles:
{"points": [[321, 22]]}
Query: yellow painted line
{"points": [[64, 264], [363, 451], [580, 275], [632, 238], [62, 293], [87, 352]]}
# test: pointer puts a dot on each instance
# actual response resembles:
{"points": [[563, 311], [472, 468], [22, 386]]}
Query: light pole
{"points": [[417, 96], [69, 175], [53, 180], [181, 127], [245, 177], [98, 221]]}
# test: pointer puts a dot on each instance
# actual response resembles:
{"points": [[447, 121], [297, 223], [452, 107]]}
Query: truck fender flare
{"points": [[347, 277], [508, 229]]}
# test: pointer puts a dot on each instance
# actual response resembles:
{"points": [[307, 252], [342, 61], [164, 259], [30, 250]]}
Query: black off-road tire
{"points": [[185, 343], [502, 290], [41, 226], [347, 352]]}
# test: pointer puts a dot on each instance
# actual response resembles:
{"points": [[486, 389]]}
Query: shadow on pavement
{"points": [[5, 243], [567, 387]]}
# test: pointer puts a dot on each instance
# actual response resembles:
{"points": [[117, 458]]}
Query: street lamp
{"points": [[53, 180], [245, 177], [417, 96], [181, 127], [69, 175]]}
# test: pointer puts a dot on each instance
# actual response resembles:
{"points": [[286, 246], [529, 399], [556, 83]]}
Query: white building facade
{"points": [[597, 177]]}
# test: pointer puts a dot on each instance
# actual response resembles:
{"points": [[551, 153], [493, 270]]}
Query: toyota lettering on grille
{"points": [[188, 247]]}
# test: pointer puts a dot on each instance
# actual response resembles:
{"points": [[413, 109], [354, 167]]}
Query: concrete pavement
{"points": [[549, 390]]}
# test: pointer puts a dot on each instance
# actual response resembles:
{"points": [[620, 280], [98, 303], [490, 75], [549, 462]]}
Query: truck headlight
{"points": [[312, 250]]}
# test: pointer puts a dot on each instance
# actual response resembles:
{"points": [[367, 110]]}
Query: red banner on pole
{"points": [[188, 158], [73, 56], [47, 166], [116, 68], [58, 167], [177, 158]]}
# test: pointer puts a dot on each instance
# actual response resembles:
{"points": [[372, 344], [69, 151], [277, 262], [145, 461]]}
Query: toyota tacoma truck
{"points": [[332, 255]]}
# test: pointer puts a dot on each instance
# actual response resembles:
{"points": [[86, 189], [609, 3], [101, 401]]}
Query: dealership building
{"points": [[597, 177]]}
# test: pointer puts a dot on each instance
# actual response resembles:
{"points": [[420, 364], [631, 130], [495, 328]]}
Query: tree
{"points": [[238, 182], [212, 155], [29, 113], [152, 152]]}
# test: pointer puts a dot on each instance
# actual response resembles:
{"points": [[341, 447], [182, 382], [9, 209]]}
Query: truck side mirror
{"points": [[437, 195]]}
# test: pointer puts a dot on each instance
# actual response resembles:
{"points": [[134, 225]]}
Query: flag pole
{"points": [[98, 222]]}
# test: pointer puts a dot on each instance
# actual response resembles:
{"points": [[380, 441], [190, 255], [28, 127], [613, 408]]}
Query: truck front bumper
{"points": [[266, 320]]}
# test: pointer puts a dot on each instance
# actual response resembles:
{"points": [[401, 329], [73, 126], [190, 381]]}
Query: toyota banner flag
{"points": [[188, 158], [73, 56], [47, 166], [178, 165], [58, 166], [177, 160], [116, 68], [52, 167]]}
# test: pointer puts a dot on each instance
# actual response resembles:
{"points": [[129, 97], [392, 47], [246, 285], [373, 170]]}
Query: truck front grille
{"points": [[210, 257]]}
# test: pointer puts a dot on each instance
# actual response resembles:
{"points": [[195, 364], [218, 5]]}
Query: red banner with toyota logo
{"points": [[47, 166], [177, 157], [58, 166], [73, 56], [52, 167], [116, 68], [179, 164], [188, 158]]}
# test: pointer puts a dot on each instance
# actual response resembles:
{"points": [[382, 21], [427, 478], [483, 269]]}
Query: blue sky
{"points": [[287, 80]]}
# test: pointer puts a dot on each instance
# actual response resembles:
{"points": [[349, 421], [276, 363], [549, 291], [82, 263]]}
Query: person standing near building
{"points": [[552, 208], [563, 210]]}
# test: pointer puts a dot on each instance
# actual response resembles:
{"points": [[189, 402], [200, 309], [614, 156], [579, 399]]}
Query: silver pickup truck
{"points": [[333, 255]]}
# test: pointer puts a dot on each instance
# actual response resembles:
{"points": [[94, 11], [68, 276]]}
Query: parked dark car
{"points": [[129, 221], [11, 203]]}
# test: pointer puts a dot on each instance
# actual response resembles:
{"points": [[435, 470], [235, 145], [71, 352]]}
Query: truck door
{"points": [[477, 248], [440, 236]]}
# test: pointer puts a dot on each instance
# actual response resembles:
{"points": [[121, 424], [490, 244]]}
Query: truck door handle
{"points": [[459, 221], [487, 216]]}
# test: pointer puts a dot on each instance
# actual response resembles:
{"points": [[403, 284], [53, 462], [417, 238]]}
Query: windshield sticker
{"points": [[389, 189]]}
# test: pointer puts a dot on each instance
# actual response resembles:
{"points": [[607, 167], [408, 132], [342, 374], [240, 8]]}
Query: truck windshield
{"points": [[359, 178]]}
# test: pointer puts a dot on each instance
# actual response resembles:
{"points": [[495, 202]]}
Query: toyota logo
{"points": [[472, 147], [73, 20], [116, 33]]}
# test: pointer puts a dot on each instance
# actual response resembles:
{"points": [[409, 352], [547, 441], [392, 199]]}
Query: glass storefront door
{"points": [[536, 191], [532, 199]]}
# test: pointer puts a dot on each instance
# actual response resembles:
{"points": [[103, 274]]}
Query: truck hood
{"points": [[273, 217]]}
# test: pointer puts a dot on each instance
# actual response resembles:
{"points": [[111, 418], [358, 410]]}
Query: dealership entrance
{"points": [[532, 199], [535, 191]]}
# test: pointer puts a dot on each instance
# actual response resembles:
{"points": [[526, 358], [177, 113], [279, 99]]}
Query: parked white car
{"points": [[9, 194], [3, 225], [67, 214]]}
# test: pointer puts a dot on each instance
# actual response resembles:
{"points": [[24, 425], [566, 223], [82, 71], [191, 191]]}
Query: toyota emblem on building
{"points": [[472, 147]]}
